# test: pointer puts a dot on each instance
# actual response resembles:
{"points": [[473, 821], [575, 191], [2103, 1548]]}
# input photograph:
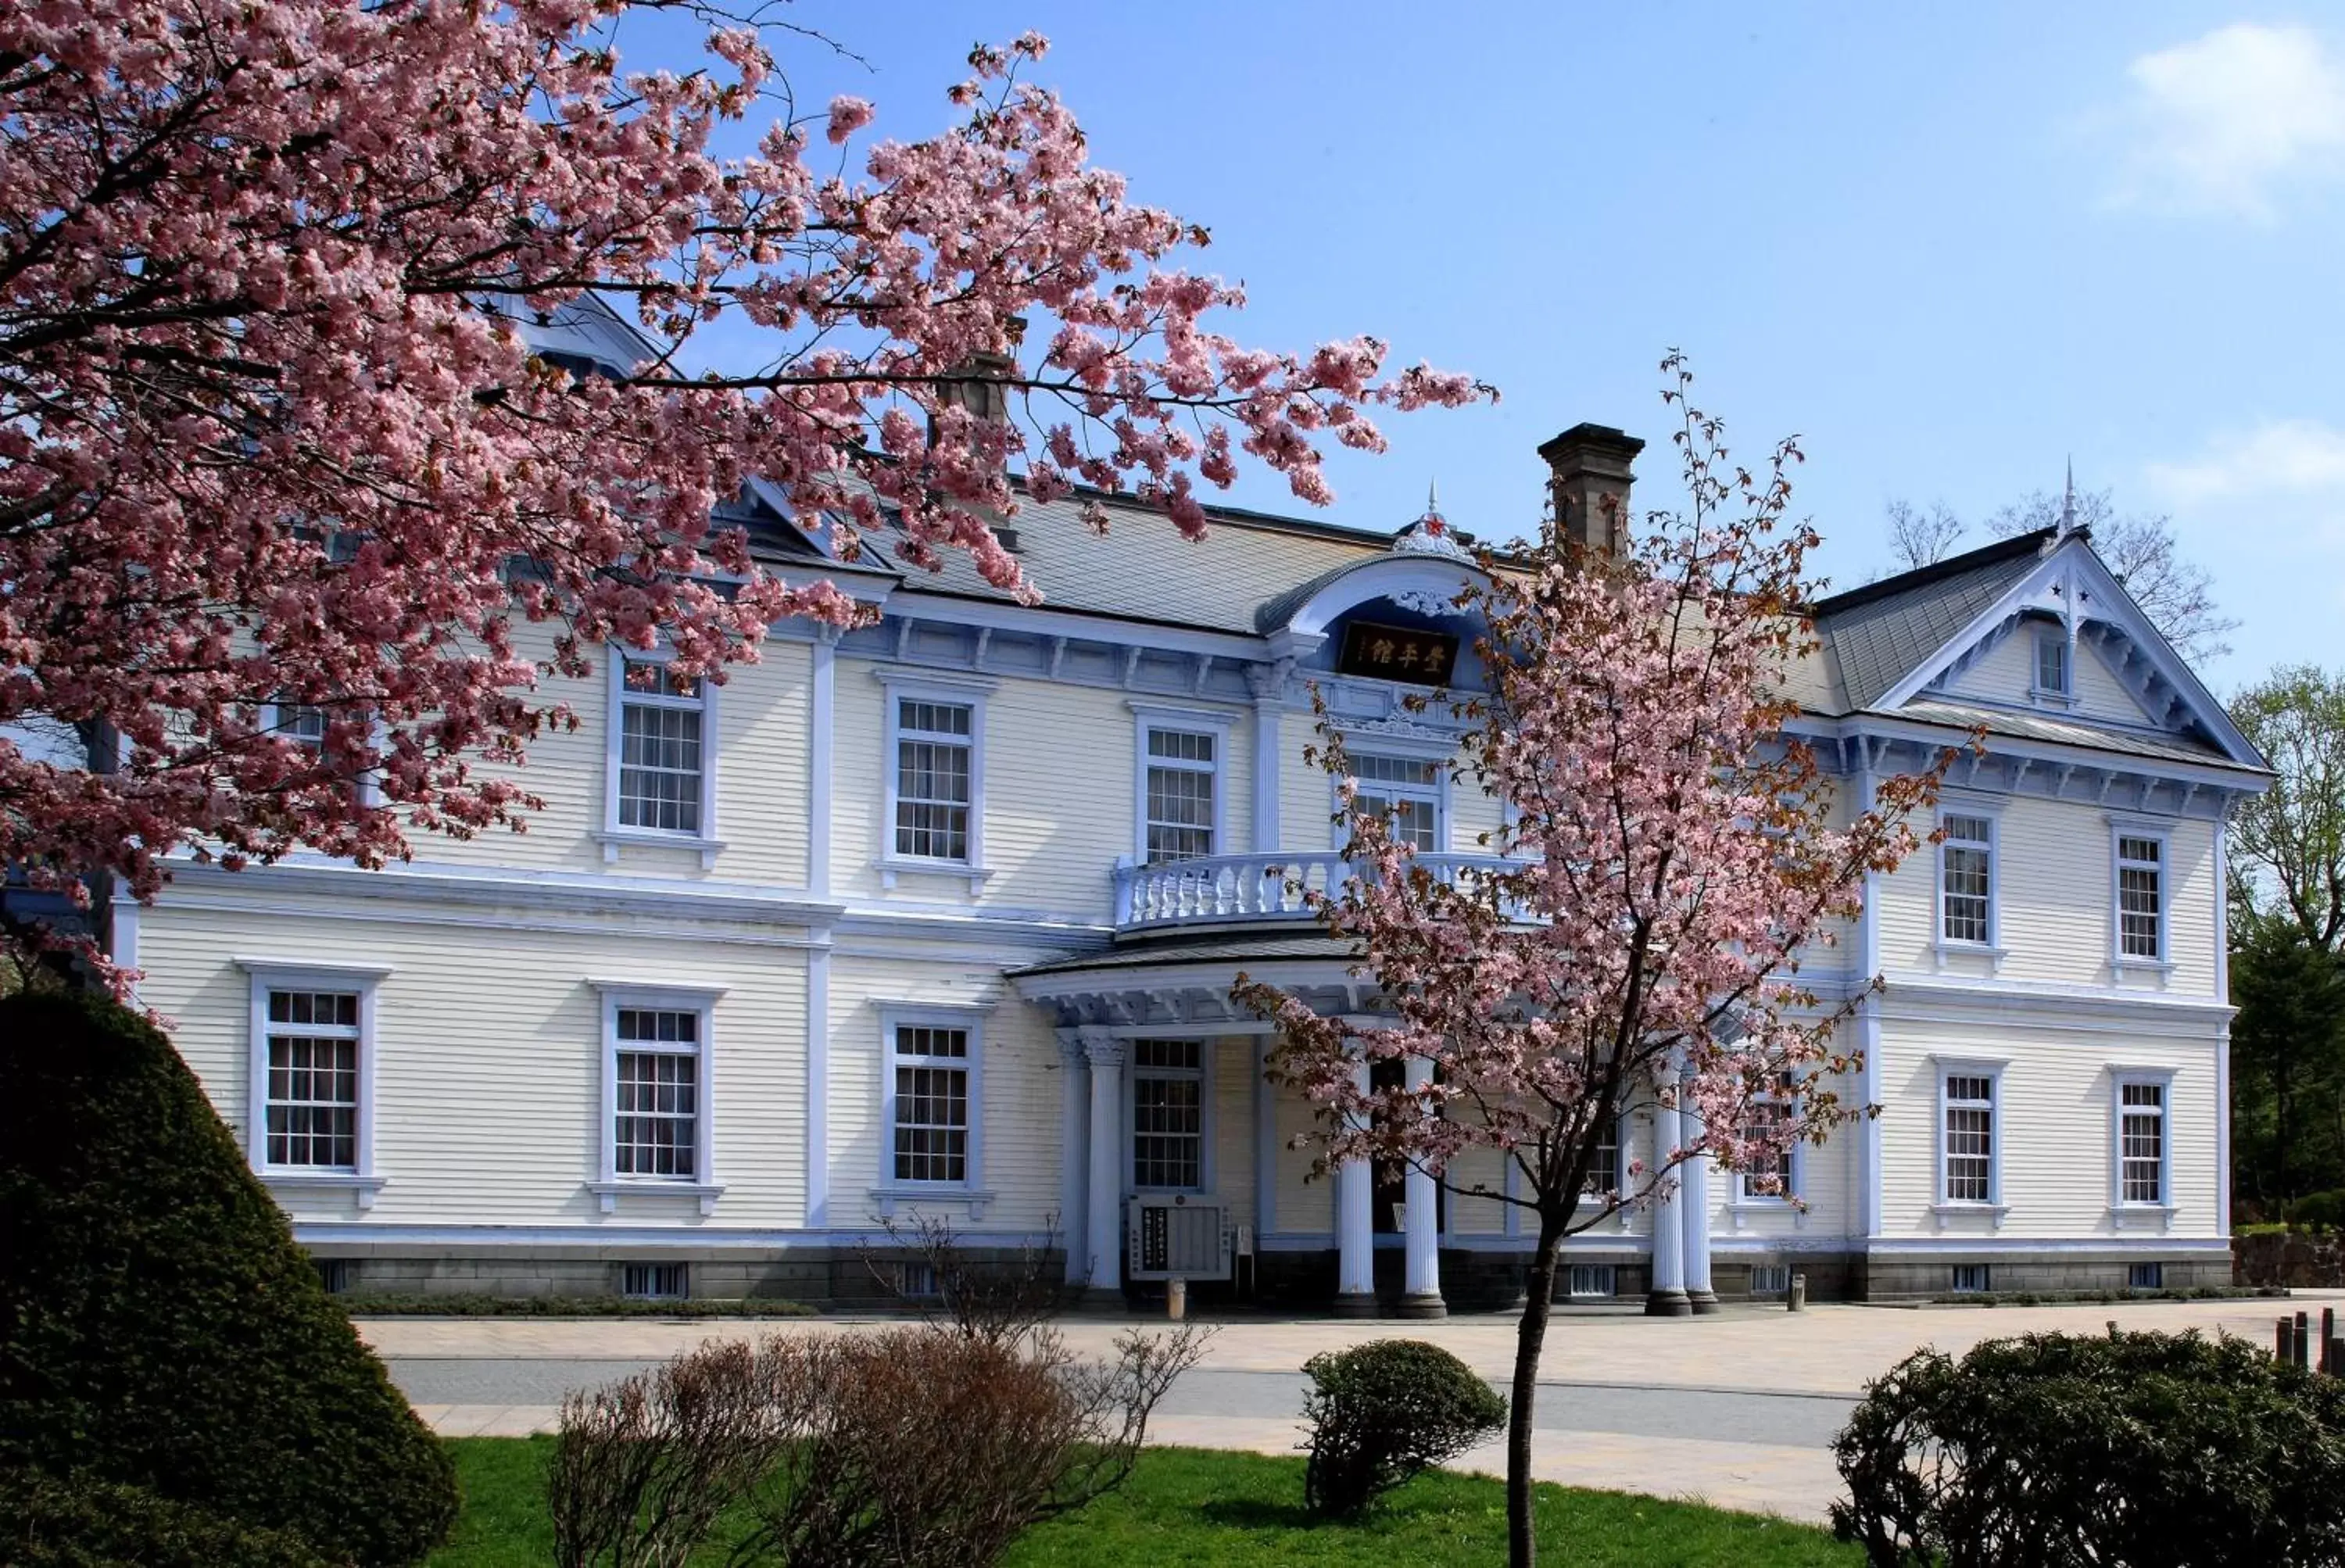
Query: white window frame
{"points": [[1795, 1181], [270, 716], [609, 1187], [889, 1192], [932, 685], [2059, 696], [1439, 754], [1992, 948], [1218, 723], [1942, 1206], [2122, 1211], [2160, 832], [612, 836], [1133, 1073], [363, 1180]]}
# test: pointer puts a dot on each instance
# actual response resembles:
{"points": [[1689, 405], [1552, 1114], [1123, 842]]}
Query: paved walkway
{"points": [[1738, 1410]]}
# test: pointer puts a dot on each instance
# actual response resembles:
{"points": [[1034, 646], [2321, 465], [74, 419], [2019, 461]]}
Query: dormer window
{"points": [[2051, 672]]}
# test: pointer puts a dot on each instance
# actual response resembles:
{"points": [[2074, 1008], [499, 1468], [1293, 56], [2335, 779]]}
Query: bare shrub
{"points": [[926, 1447], [940, 1447], [643, 1468], [997, 1299]]}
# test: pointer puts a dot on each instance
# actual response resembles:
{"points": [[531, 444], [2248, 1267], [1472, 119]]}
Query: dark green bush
{"points": [[2319, 1211], [45, 1522], [2055, 1450], [469, 1304], [158, 1327], [1381, 1411]]}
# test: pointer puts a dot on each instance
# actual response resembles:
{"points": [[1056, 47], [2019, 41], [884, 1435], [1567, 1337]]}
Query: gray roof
{"points": [[1876, 635], [2063, 731]]}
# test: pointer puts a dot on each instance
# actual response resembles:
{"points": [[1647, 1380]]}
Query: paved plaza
{"points": [[1737, 1410]]}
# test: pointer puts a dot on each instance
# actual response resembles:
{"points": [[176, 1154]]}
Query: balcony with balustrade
{"points": [[1245, 890]]}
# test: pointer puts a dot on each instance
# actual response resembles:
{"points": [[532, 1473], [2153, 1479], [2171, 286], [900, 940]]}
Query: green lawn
{"points": [[1187, 1506]]}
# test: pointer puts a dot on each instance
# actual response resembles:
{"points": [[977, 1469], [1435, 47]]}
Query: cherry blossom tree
{"points": [[282, 489], [1673, 852]]}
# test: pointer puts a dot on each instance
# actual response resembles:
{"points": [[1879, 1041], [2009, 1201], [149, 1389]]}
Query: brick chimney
{"points": [[1590, 472]]}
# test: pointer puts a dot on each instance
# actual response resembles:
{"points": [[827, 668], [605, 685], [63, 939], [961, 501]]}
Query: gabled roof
{"points": [[1877, 633]]}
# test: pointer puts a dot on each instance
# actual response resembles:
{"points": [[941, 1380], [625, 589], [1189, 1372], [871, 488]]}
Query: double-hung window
{"points": [[1405, 793], [662, 745], [311, 1106], [1966, 880], [2141, 897], [1604, 1161], [2142, 1103], [313, 1080], [1968, 1133], [2052, 666], [657, 1081], [932, 1103], [1182, 786], [660, 780], [1168, 1114], [936, 755], [1774, 1177]]}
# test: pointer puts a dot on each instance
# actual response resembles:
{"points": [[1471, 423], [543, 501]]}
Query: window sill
{"points": [[887, 1199], [1947, 1212], [361, 1189], [613, 838], [2139, 1216], [608, 1192], [890, 867], [1994, 954], [2043, 697], [2162, 968], [1742, 1210]]}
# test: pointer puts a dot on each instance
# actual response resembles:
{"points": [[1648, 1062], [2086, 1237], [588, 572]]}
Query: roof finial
{"points": [[1432, 498], [2068, 504]]}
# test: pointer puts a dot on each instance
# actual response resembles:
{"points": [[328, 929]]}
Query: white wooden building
{"points": [[941, 917]]}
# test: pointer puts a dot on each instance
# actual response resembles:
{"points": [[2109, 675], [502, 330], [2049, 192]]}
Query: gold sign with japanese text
{"points": [[1397, 653]]}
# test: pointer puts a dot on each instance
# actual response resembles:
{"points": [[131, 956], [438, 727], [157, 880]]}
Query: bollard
{"points": [[2328, 1342], [2337, 1357], [1796, 1300], [1176, 1299], [2300, 1335], [2284, 1340]]}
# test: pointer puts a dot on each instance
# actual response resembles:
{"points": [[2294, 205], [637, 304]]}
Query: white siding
{"points": [[2006, 673], [488, 1072]]}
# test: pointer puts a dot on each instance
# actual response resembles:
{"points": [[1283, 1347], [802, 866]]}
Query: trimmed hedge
{"points": [[158, 1326], [1381, 1411], [45, 1522], [471, 1304], [2055, 1451]]}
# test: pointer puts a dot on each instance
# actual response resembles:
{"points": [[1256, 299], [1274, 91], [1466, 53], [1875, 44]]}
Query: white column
{"points": [[1074, 1153], [1694, 1205], [1421, 1235], [1667, 1298], [1355, 1256], [1103, 1204]]}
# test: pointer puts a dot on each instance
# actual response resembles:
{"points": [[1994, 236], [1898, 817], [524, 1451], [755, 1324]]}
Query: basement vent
{"points": [[1971, 1279], [1591, 1281], [336, 1274], [1770, 1279], [917, 1281], [656, 1281], [2145, 1275]]}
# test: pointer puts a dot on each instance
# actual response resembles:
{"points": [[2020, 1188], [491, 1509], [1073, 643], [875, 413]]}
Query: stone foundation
{"points": [[2304, 1259]]}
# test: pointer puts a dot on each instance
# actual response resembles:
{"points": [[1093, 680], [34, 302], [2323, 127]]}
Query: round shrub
{"points": [[45, 1522], [1383, 1411], [158, 1327], [2057, 1450]]}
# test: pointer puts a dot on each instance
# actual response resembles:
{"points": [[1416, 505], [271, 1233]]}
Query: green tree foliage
{"points": [[45, 1522], [159, 1328], [2287, 932]]}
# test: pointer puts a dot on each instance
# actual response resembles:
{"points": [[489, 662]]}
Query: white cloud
{"points": [[2290, 457], [2229, 121]]}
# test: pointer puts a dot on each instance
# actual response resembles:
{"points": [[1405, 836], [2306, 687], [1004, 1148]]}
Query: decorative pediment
{"points": [[2071, 593]]}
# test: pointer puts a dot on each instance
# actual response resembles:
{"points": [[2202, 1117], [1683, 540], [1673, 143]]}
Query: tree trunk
{"points": [[1530, 1339]]}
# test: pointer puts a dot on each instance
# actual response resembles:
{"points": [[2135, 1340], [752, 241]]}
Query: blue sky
{"points": [[1950, 247]]}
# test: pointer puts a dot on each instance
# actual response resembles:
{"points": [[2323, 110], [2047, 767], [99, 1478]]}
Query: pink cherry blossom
{"points": [[270, 438], [1672, 852]]}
